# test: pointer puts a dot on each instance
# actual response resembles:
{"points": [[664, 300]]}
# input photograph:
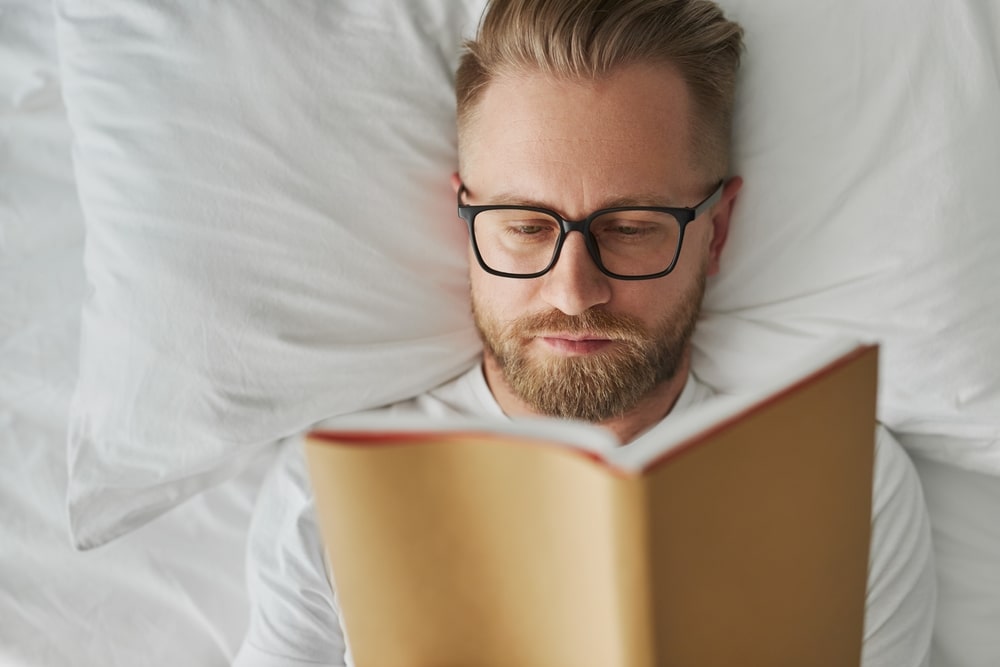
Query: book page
{"points": [[378, 428]]}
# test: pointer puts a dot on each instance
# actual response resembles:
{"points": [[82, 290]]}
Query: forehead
{"points": [[545, 137]]}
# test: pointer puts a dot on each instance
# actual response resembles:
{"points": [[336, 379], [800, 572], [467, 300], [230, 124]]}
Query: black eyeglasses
{"points": [[627, 243]]}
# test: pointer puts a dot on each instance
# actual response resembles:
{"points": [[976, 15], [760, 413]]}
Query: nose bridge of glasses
{"points": [[588, 240], [574, 225]]}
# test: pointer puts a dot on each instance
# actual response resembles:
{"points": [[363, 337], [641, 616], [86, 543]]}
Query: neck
{"points": [[656, 405]]}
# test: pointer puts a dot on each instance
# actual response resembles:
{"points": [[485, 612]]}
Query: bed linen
{"points": [[173, 592], [271, 237], [964, 507]]}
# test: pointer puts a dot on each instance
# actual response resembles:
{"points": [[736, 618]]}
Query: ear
{"points": [[456, 182], [721, 214]]}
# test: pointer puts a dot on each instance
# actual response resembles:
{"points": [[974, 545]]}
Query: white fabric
{"points": [[270, 233], [867, 134], [47, 616], [964, 508], [172, 593], [271, 240], [294, 615]]}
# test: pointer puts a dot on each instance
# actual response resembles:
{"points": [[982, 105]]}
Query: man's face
{"points": [[576, 343]]}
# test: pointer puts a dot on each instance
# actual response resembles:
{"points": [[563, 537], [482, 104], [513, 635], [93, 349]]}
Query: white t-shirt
{"points": [[294, 618]]}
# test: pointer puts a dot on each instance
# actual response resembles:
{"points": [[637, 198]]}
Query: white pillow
{"points": [[868, 134], [272, 240], [271, 234]]}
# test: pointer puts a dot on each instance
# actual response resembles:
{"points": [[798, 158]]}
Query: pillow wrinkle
{"points": [[272, 240]]}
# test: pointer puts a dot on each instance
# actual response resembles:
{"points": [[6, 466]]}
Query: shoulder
{"points": [[901, 597], [294, 618], [463, 396]]}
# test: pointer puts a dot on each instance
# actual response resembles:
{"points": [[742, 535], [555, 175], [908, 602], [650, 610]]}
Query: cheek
{"points": [[643, 299], [652, 301], [499, 298]]}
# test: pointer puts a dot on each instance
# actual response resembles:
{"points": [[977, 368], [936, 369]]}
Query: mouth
{"points": [[574, 344]]}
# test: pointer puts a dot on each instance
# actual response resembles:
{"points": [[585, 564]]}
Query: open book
{"points": [[738, 535]]}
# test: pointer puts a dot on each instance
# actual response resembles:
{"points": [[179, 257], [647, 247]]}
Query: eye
{"points": [[531, 229], [632, 226], [627, 227], [528, 230], [627, 230]]}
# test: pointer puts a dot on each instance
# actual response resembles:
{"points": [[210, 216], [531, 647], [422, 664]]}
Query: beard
{"points": [[598, 386]]}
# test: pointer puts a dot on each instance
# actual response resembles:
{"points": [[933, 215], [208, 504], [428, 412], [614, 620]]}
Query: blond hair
{"points": [[590, 39]]}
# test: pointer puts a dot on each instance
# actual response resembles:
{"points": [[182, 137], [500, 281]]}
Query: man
{"points": [[566, 109]]}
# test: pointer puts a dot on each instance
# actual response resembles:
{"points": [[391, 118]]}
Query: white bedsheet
{"points": [[172, 593], [169, 594]]}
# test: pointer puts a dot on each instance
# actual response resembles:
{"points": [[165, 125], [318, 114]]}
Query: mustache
{"points": [[593, 321]]}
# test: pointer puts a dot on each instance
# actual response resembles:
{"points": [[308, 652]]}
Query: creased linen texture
{"points": [[270, 238], [171, 593]]}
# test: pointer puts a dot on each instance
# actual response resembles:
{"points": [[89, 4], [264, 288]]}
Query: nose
{"points": [[575, 283]]}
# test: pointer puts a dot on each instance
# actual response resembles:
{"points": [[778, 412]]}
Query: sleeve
{"points": [[901, 599], [294, 619]]}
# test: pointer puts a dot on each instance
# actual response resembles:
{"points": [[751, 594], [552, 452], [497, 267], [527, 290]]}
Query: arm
{"points": [[294, 620], [899, 610]]}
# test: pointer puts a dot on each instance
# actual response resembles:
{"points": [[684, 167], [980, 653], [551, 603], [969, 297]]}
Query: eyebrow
{"points": [[638, 199]]}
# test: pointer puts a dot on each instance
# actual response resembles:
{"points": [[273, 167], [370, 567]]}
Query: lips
{"points": [[574, 344]]}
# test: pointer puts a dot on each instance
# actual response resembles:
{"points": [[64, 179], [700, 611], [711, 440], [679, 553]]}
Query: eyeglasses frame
{"points": [[683, 215]]}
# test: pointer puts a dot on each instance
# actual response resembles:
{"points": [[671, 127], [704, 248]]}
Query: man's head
{"points": [[586, 40], [576, 106]]}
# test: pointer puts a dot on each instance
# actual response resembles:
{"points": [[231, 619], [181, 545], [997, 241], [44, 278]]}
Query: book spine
{"points": [[633, 571]]}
